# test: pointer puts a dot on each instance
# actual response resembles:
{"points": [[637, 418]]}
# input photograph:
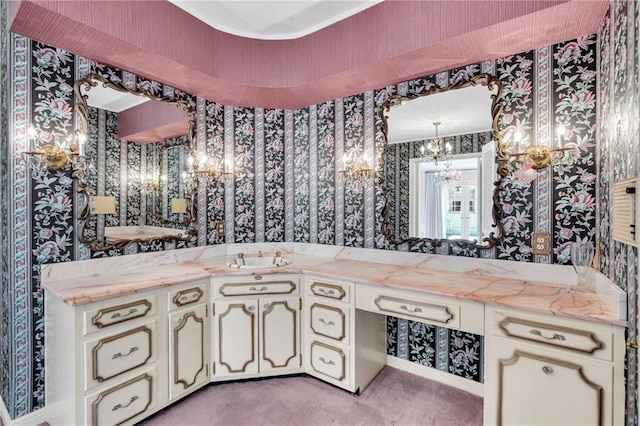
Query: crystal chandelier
{"points": [[448, 175], [436, 149]]}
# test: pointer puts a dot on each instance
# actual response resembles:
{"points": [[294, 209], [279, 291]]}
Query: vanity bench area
{"points": [[129, 335]]}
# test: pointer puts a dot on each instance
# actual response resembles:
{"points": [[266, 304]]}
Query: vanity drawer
{"points": [[187, 294], [331, 290], [555, 332], [257, 288], [122, 403], [101, 315], [328, 360], [456, 314], [110, 356], [329, 321]]}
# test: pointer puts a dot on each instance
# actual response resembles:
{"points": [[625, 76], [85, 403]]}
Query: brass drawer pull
{"points": [[119, 354], [555, 336], [322, 290], [131, 401], [263, 288], [119, 315], [547, 370], [325, 322], [415, 310], [327, 362]]}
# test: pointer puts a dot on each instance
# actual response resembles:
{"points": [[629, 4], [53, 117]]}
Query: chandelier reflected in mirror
{"points": [[448, 175], [436, 149]]}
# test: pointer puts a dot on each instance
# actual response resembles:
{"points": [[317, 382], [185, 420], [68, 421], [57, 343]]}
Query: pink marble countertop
{"points": [[408, 273]]}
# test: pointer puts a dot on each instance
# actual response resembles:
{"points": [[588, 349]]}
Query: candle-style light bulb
{"points": [[560, 131], [203, 160]]}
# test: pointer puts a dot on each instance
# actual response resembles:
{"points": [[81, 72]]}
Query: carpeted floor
{"points": [[393, 398]]}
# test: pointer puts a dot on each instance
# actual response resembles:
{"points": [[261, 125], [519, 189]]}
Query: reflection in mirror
{"points": [[455, 200], [138, 144]]}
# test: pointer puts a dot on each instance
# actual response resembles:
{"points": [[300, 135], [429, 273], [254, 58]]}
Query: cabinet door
{"points": [[236, 331], [280, 332], [188, 350], [536, 389]]}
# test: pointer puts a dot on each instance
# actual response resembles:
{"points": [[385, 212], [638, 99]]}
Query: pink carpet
{"points": [[393, 398]]}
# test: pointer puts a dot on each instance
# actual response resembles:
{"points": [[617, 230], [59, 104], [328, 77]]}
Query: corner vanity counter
{"points": [[127, 336]]}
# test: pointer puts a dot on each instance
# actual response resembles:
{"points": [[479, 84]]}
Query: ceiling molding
{"points": [[390, 42]]}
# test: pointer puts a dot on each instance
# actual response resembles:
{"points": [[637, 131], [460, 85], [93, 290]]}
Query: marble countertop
{"points": [[486, 281]]}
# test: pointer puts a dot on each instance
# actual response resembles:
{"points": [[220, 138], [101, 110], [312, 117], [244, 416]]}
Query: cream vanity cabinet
{"points": [[256, 325], [542, 369], [343, 346], [188, 338], [119, 360]]}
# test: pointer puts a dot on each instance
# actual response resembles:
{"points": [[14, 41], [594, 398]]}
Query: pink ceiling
{"points": [[391, 42]]}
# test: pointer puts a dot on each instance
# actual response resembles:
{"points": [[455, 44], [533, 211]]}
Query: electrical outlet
{"points": [[540, 243], [220, 227]]}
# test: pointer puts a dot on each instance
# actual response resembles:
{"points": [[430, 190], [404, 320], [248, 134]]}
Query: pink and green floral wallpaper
{"points": [[286, 184]]}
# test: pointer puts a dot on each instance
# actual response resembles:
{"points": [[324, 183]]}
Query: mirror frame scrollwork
{"points": [[81, 109], [497, 106]]}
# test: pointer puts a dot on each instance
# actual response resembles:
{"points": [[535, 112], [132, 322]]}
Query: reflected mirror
{"points": [[138, 144], [443, 165]]}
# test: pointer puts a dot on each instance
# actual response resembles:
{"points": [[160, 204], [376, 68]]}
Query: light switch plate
{"points": [[540, 243]]}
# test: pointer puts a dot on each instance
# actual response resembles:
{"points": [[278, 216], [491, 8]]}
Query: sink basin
{"points": [[257, 262]]}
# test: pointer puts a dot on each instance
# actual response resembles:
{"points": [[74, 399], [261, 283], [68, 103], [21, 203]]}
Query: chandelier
{"points": [[436, 149], [48, 153], [448, 175], [540, 156]]}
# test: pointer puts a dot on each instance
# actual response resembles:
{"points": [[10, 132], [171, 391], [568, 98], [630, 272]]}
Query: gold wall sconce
{"points": [[46, 153], [540, 156], [356, 170]]}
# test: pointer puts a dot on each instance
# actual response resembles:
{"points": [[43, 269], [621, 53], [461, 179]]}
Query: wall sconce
{"points": [[356, 170], [540, 156], [46, 153], [102, 205], [204, 168], [436, 150]]}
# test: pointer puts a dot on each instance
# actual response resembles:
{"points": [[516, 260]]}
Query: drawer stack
{"points": [[120, 353]]}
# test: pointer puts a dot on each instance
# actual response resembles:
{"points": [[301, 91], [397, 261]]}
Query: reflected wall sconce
{"points": [[47, 152], [203, 168], [356, 170], [151, 182], [436, 149], [540, 156]]}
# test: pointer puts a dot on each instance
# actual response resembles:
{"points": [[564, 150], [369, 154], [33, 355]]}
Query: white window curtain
{"points": [[434, 223]]}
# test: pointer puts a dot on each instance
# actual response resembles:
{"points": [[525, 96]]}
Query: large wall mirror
{"points": [[443, 165], [136, 190]]}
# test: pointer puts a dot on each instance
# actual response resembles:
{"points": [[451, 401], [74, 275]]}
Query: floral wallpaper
{"points": [[618, 152], [287, 184]]}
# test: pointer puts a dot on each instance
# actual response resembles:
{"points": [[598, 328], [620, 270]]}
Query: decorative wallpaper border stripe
{"points": [[313, 174], [124, 177], [18, 399], [201, 146], [369, 153], [339, 223], [259, 174], [288, 177], [229, 192]]}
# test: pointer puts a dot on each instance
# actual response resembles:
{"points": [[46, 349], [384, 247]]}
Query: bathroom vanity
{"points": [[127, 336]]}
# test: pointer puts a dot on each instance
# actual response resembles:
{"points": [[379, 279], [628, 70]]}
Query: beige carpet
{"points": [[393, 398]]}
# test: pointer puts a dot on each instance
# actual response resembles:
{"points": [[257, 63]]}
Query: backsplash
{"points": [[286, 186]]}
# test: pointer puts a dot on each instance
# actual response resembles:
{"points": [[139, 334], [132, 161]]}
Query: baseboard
{"points": [[32, 419], [437, 375]]}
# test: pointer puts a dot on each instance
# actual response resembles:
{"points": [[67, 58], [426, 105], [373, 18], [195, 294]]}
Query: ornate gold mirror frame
{"points": [[493, 238], [90, 237]]}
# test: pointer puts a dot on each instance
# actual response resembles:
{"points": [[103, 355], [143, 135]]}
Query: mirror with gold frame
{"points": [[485, 239], [93, 227]]}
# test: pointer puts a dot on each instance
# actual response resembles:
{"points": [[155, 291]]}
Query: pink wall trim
{"points": [[387, 43], [151, 122]]}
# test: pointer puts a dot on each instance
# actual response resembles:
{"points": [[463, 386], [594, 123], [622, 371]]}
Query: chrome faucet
{"points": [[278, 254], [240, 255]]}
